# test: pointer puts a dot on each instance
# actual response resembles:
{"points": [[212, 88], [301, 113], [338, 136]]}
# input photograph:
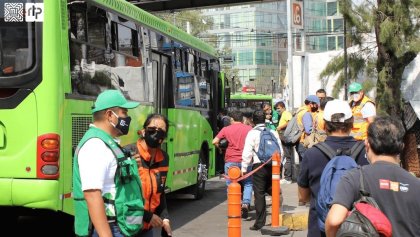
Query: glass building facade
{"points": [[256, 37]]}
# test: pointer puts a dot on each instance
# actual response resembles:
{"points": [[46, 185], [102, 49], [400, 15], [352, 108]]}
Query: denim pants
{"points": [[115, 230], [245, 183]]}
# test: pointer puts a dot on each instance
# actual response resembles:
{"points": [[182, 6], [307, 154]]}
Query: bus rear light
{"points": [[49, 170], [50, 144], [50, 156]]}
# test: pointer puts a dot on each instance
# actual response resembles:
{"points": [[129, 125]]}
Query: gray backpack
{"points": [[293, 131]]}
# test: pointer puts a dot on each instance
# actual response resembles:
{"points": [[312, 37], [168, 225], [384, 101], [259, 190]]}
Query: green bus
{"points": [[248, 103], [52, 71]]}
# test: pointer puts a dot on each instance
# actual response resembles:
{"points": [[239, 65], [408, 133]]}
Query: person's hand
{"points": [[156, 221], [167, 227], [137, 158]]}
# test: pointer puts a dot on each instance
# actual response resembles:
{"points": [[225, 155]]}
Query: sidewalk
{"points": [[293, 216]]}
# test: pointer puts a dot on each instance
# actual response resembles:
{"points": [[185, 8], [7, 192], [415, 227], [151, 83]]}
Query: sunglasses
{"points": [[154, 130]]}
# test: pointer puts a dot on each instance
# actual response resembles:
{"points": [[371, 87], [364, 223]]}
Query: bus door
{"points": [[161, 75]]}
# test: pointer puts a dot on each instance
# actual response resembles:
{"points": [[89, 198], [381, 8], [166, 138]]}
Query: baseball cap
{"points": [[313, 98], [337, 107], [112, 98], [355, 87]]}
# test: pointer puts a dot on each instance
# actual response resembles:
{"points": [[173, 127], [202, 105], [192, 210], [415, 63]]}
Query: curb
{"points": [[294, 221]]}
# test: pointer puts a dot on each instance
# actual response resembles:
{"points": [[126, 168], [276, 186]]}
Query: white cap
{"points": [[337, 107]]}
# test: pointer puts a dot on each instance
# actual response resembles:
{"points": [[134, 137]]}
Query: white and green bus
{"points": [[52, 71]]}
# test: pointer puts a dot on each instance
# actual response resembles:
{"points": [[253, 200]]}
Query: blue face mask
{"points": [[123, 124]]}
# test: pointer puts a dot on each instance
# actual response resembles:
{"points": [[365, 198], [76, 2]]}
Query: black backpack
{"points": [[366, 218]]}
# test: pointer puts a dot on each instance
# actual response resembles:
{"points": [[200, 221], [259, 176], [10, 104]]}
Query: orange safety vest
{"points": [[153, 177], [360, 124]]}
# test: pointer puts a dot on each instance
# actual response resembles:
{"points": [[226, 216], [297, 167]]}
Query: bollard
{"points": [[275, 204], [234, 203], [275, 229]]}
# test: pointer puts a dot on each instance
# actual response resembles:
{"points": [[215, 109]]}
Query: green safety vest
{"points": [[128, 201]]}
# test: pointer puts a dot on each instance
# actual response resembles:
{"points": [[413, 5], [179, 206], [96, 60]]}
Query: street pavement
{"points": [[208, 217]]}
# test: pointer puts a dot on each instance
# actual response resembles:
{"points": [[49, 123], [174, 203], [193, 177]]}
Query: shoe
{"points": [[244, 211], [254, 228], [285, 181]]}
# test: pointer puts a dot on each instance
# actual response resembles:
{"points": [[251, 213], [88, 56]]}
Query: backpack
{"points": [[316, 135], [366, 218], [268, 144], [339, 162], [293, 131]]}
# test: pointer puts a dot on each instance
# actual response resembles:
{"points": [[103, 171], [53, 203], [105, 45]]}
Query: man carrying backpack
{"points": [[338, 123], [260, 143], [394, 189]]}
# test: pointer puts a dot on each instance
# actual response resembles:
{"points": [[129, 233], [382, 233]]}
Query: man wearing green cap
{"points": [[363, 109], [104, 176]]}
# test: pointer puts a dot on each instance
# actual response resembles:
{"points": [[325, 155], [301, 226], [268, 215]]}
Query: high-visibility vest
{"points": [[360, 124], [127, 207]]}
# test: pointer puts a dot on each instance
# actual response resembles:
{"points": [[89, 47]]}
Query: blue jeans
{"points": [[115, 230], [246, 183]]}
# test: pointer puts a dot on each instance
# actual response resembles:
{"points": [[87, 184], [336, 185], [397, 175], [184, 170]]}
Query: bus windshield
{"points": [[16, 47]]}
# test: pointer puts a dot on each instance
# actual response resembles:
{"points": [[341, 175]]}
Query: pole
{"points": [[275, 228], [289, 53], [234, 203], [345, 59], [275, 203]]}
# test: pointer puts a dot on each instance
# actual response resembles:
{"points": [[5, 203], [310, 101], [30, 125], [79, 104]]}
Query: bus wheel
{"points": [[200, 186]]}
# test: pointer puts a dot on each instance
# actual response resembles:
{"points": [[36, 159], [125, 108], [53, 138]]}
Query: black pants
{"points": [[290, 161], [261, 184]]}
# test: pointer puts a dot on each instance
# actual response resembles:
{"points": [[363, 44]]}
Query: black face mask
{"points": [[314, 109], [153, 137], [123, 124]]}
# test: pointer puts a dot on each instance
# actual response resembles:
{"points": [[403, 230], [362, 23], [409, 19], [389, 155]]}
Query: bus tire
{"points": [[199, 187]]}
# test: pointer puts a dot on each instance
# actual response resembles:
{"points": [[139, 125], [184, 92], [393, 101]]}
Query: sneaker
{"points": [[285, 181], [244, 211]]}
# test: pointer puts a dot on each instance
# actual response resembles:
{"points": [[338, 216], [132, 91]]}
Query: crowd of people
{"points": [[341, 126], [121, 193]]}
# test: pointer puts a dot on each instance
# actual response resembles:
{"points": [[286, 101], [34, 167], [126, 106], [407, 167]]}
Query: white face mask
{"points": [[356, 97]]}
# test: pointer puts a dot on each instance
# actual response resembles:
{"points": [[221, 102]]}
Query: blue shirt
{"points": [[307, 122]]}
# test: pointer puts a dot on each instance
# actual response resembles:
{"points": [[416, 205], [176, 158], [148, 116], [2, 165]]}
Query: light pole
{"points": [[272, 87]]}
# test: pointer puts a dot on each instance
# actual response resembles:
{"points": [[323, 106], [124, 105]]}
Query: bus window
{"points": [[96, 25], [16, 47], [95, 67]]}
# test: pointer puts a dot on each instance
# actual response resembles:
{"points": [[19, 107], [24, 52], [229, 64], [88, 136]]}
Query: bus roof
{"points": [[245, 96], [155, 23]]}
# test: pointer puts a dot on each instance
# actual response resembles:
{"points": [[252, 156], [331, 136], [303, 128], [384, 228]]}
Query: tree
{"points": [[394, 25], [199, 23]]}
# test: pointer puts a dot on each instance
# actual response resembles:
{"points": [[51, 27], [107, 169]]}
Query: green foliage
{"points": [[396, 26], [199, 23]]}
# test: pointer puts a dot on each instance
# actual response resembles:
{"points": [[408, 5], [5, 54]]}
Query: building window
{"points": [[338, 25], [331, 43], [331, 8]]}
